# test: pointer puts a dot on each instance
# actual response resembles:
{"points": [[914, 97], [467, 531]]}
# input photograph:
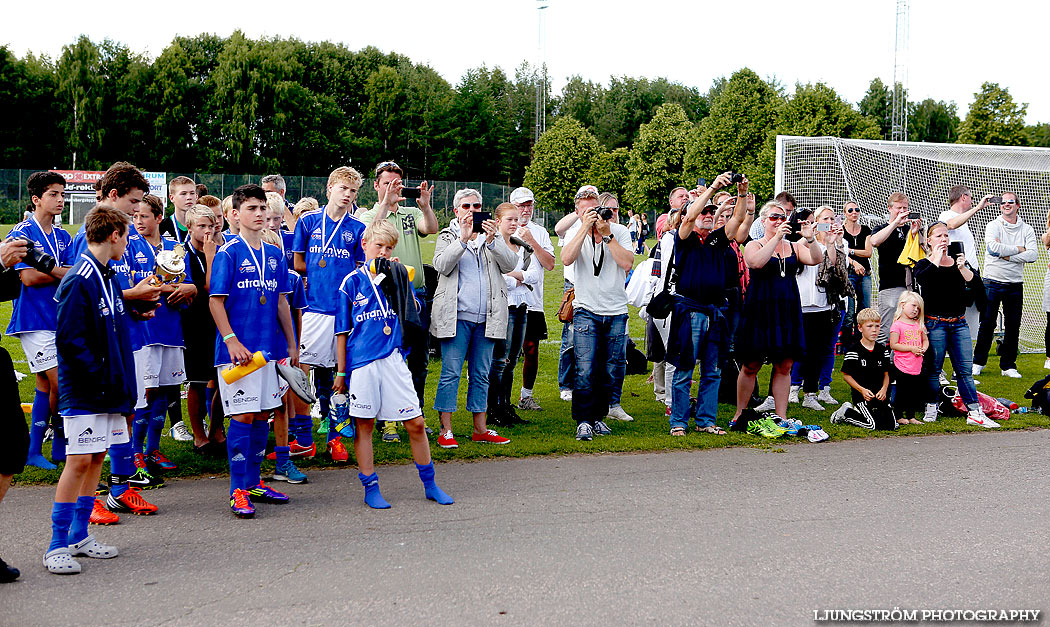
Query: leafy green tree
{"points": [[656, 159], [80, 90], [30, 136], [609, 173], [994, 118], [815, 110], [474, 131], [1038, 135], [933, 121], [877, 104], [561, 161], [581, 100], [743, 116]]}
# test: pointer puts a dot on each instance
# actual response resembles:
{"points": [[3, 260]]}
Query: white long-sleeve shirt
{"points": [[1002, 239]]}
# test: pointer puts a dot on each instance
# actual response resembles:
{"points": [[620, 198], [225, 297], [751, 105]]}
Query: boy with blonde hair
{"points": [[369, 353], [326, 248], [866, 369]]}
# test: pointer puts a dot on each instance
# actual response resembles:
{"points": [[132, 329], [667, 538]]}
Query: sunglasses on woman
{"points": [[776, 217], [853, 210]]}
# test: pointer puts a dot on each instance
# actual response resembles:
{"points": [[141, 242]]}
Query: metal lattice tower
{"points": [[541, 76], [899, 115]]}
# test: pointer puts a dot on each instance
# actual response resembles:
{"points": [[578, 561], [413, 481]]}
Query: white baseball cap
{"points": [[522, 194]]}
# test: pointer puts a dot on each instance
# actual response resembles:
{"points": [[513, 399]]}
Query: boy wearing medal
{"points": [[33, 315], [368, 352], [96, 381], [163, 365], [249, 284], [327, 247]]}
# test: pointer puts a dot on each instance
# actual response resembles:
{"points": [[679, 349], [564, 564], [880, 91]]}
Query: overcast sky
{"points": [[954, 46]]}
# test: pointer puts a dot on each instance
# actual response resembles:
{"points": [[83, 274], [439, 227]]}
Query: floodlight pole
{"points": [[899, 119], [541, 77]]}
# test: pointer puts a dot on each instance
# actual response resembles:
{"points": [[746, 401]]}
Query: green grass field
{"points": [[551, 431]]}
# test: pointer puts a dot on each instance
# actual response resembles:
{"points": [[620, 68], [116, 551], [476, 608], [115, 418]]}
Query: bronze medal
{"points": [[322, 263], [262, 299], [387, 330]]}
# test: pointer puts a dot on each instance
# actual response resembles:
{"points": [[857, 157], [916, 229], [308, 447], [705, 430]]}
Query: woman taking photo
{"points": [[470, 313], [947, 286], [820, 315], [523, 278], [858, 239], [771, 327]]}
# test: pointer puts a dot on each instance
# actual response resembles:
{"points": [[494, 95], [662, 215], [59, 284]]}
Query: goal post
{"points": [[830, 171]]}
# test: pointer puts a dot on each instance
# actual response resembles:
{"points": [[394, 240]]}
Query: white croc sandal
{"points": [[60, 562], [91, 547]]}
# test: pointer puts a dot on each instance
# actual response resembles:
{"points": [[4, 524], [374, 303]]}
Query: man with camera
{"points": [[14, 437], [599, 310], [890, 239], [34, 314], [1009, 244], [413, 224]]}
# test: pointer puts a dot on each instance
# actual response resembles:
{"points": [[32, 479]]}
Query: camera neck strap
{"points": [[600, 259]]}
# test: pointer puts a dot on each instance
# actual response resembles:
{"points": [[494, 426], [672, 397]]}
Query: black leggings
{"points": [[1046, 335], [819, 328]]}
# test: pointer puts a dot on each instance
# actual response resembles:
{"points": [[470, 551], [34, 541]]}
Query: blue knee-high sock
{"points": [[139, 426], [78, 528], [120, 463], [238, 448], [157, 414], [58, 445], [373, 497], [304, 430], [431, 489], [61, 517], [260, 432], [39, 416], [282, 454]]}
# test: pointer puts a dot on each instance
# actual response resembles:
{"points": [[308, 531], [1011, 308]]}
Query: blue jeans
{"points": [[566, 361], [600, 345], [1011, 296], [952, 338], [710, 358], [505, 358], [470, 345], [862, 300]]}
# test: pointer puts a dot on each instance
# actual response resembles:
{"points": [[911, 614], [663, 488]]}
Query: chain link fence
{"points": [[14, 199]]}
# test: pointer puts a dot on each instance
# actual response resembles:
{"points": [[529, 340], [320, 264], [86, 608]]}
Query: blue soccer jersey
{"points": [[165, 327], [135, 265], [252, 281], [365, 315], [287, 241], [35, 308], [296, 291], [333, 250]]}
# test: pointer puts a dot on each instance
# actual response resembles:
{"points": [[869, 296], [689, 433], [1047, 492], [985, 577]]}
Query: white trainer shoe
{"points": [[180, 433], [977, 368], [767, 405], [793, 394], [1046, 364], [810, 402], [977, 418], [1012, 373], [931, 413], [825, 396], [617, 413], [566, 395], [838, 417]]}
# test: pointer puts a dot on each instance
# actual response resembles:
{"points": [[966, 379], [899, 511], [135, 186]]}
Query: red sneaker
{"points": [[337, 450], [102, 516], [140, 460], [161, 461], [489, 437], [302, 451], [132, 502], [445, 440]]}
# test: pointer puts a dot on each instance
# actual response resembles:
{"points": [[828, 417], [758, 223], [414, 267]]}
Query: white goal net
{"points": [[830, 171]]}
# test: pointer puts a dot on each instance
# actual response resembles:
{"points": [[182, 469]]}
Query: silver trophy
{"points": [[170, 268]]}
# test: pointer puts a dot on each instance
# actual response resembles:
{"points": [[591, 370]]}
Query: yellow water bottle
{"points": [[411, 270], [234, 373]]}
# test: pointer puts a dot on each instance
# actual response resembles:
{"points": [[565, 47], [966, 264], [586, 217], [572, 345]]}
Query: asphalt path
{"points": [[726, 537]]}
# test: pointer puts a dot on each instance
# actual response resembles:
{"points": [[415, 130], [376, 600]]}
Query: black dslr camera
{"points": [[605, 213], [735, 177], [36, 258]]}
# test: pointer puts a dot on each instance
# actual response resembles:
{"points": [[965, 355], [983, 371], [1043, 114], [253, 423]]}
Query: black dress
{"points": [[771, 327]]}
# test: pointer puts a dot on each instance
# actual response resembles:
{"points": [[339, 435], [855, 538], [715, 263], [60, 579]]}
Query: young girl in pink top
{"points": [[909, 342]]}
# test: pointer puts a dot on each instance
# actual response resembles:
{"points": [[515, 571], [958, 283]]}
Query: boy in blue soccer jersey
{"points": [[327, 247], [286, 469], [164, 365], [33, 315], [96, 375], [248, 300], [369, 352]]}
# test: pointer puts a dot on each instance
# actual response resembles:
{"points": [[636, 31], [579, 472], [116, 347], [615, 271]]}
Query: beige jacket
{"points": [[495, 262]]}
